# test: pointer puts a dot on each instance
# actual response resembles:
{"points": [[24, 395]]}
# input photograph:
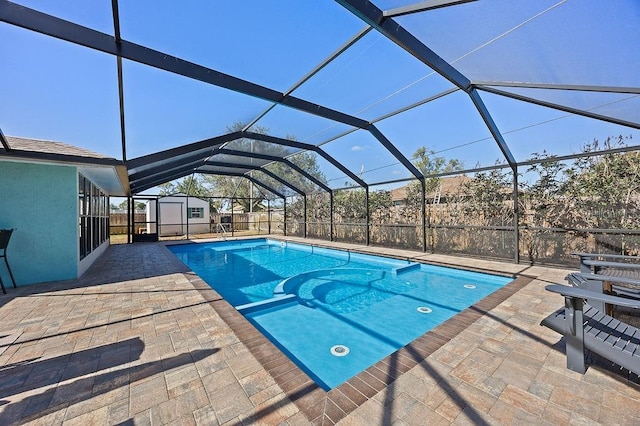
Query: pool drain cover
{"points": [[469, 286], [424, 310], [339, 350]]}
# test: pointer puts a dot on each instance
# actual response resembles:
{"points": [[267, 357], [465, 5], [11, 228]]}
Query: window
{"points": [[195, 212], [94, 216]]}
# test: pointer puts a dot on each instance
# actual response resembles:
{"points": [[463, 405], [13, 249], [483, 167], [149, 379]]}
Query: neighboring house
{"points": [[56, 197], [399, 196], [447, 188], [178, 214]]}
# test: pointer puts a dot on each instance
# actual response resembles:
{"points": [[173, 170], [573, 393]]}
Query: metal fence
{"points": [[470, 222], [536, 245]]}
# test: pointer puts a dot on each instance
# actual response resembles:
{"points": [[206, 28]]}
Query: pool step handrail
{"points": [[406, 268], [223, 231]]}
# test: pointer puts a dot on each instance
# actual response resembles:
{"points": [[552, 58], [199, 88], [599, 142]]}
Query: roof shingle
{"points": [[49, 147]]}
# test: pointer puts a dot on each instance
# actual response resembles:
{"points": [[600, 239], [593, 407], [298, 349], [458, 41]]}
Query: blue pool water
{"points": [[332, 312]]}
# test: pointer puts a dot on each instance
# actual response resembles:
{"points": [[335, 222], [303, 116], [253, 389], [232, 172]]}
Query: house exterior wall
{"points": [[40, 202]]}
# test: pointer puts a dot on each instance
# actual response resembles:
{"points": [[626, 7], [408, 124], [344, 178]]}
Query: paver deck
{"points": [[140, 339]]}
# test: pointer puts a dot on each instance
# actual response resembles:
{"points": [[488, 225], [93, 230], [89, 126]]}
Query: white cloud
{"points": [[358, 148]]}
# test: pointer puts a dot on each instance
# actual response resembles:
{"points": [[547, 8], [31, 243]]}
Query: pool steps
{"points": [[280, 289], [268, 303]]}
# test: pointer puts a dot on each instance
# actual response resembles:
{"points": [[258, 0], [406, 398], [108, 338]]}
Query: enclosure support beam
{"points": [[395, 32], [366, 203], [158, 223], [284, 219], [197, 150], [260, 183], [393, 150], [313, 72], [42, 23], [123, 135], [279, 179], [149, 182], [4, 141], [493, 128], [309, 147], [155, 167], [187, 218], [331, 216], [561, 107], [304, 199], [516, 218], [422, 7], [232, 221], [250, 167], [289, 163], [251, 178], [116, 32], [139, 178], [423, 191], [130, 214], [574, 87], [268, 218]]}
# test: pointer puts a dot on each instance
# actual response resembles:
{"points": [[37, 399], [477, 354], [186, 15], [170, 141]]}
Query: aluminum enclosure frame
{"points": [[150, 170]]}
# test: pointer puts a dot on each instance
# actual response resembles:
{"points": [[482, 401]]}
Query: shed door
{"points": [[170, 220]]}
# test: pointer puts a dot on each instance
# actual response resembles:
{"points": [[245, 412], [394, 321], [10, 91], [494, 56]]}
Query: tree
{"points": [[245, 192], [594, 191], [191, 185], [607, 186], [430, 166], [487, 197], [124, 205], [350, 205]]}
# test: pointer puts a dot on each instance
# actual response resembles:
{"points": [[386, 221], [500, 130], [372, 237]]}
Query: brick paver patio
{"points": [[142, 340]]}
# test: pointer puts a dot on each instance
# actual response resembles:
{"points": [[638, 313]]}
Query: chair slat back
{"points": [[5, 235]]}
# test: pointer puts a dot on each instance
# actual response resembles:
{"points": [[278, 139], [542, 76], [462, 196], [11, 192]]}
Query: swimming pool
{"points": [[334, 313]]}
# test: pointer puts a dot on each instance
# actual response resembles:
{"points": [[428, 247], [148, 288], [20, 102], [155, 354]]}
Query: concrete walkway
{"points": [[142, 340]]}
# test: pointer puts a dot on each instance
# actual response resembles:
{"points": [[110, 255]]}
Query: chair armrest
{"points": [[605, 256], [587, 260], [580, 293], [603, 277], [609, 264]]}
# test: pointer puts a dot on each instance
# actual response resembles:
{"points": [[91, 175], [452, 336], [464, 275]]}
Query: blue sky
{"points": [[57, 91]]}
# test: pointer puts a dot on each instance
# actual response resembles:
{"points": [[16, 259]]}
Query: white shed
{"points": [[176, 213]]}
